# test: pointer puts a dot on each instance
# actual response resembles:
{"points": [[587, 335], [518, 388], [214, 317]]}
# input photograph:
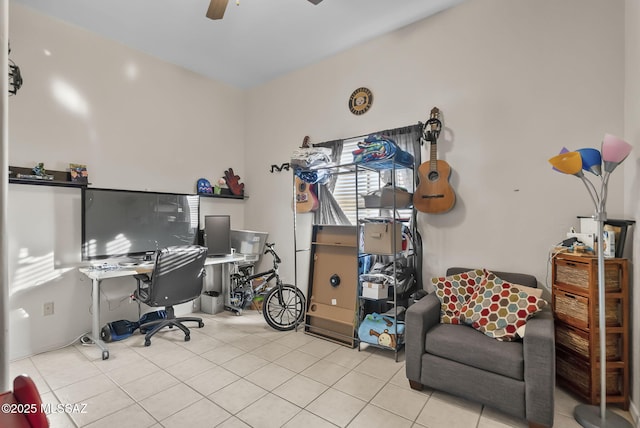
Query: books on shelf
{"points": [[79, 173]]}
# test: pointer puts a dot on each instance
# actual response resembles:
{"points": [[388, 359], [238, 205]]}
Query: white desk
{"points": [[97, 275]]}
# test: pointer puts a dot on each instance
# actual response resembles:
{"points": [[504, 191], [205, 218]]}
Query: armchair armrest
{"points": [[420, 318], [540, 368]]}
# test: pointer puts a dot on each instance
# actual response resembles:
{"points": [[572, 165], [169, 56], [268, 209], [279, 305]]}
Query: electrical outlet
{"points": [[47, 309]]}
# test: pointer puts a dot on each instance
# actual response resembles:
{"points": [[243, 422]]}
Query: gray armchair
{"points": [[517, 378], [176, 278]]}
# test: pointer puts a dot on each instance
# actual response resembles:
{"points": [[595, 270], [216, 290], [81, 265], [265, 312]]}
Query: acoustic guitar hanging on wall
{"points": [[434, 194], [306, 199]]}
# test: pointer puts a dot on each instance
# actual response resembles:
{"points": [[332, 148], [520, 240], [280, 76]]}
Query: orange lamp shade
{"points": [[568, 163]]}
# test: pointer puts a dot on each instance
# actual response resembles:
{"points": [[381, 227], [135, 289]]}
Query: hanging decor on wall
{"points": [[15, 77], [360, 101]]}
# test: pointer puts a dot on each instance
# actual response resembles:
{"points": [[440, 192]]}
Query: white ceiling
{"points": [[258, 40]]}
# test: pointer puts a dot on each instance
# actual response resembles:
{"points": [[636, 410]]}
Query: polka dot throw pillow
{"points": [[453, 292], [498, 308]]}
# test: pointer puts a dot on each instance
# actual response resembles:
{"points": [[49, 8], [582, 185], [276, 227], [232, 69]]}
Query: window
{"points": [[368, 181]]}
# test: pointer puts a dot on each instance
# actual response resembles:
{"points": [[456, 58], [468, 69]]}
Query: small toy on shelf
{"points": [[217, 188], [233, 181], [38, 172], [79, 173], [204, 187]]}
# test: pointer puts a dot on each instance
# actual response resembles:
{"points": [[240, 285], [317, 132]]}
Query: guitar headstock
{"points": [[305, 142], [432, 128]]}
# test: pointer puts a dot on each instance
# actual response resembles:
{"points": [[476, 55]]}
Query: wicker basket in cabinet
{"points": [[575, 308]]}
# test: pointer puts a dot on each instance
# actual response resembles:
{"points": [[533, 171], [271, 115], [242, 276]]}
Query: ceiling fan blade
{"points": [[216, 9], [315, 1]]}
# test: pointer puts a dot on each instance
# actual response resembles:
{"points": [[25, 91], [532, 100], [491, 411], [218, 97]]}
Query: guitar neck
{"points": [[433, 159], [433, 127]]}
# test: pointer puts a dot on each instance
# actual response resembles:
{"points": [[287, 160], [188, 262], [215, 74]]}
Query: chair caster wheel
{"points": [[200, 324], [105, 355], [147, 342], [187, 338]]}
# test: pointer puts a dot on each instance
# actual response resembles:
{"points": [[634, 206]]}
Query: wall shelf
{"points": [[60, 178], [47, 182], [223, 196]]}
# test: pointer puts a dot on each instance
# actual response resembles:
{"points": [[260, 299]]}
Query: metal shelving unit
{"points": [[387, 306]]}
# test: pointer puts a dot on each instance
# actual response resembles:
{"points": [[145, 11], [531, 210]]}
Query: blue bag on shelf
{"points": [[381, 330]]}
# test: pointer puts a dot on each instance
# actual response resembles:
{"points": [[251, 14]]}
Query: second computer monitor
{"points": [[217, 229]]}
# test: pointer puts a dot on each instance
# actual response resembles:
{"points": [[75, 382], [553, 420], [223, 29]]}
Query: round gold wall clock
{"points": [[360, 101]]}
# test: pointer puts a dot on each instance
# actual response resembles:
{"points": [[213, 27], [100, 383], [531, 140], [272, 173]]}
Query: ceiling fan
{"points": [[217, 8]]}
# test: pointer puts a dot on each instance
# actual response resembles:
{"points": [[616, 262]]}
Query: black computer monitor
{"points": [[217, 234], [131, 223]]}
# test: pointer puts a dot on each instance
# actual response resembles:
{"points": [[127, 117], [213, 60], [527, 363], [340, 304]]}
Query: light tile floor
{"points": [[238, 372]]}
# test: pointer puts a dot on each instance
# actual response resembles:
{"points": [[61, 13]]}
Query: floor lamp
{"points": [[614, 151]]}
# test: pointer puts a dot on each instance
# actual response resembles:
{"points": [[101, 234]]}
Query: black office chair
{"points": [[176, 278]]}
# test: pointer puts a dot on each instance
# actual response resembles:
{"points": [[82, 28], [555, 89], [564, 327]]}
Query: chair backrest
{"points": [[512, 277], [177, 275]]}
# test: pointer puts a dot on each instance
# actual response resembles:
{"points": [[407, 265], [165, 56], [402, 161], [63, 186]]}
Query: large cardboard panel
{"points": [[335, 235], [331, 322], [333, 284], [327, 329], [335, 276]]}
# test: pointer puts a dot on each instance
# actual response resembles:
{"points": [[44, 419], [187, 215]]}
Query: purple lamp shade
{"points": [[568, 163], [591, 160], [614, 151]]}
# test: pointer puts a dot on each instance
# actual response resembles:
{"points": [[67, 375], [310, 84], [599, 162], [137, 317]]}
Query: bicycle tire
{"points": [[284, 318]]}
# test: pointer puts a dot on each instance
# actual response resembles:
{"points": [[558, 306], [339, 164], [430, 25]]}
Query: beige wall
{"points": [[632, 180], [137, 122], [516, 81], [512, 95]]}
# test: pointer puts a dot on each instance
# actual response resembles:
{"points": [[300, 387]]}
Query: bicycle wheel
{"points": [[287, 316]]}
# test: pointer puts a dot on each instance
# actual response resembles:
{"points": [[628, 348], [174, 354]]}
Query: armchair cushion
{"points": [[480, 351], [498, 308], [453, 291]]}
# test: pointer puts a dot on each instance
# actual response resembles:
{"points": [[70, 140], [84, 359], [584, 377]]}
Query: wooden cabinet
{"points": [[576, 312]]}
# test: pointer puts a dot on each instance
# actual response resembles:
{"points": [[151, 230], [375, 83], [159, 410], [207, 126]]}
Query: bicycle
{"points": [[283, 304]]}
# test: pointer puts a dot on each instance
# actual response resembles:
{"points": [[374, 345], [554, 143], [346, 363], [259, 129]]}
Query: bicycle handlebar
{"points": [[269, 249]]}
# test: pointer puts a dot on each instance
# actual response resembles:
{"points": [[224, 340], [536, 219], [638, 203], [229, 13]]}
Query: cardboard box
{"points": [[609, 248], [256, 303], [372, 290], [385, 198], [378, 238]]}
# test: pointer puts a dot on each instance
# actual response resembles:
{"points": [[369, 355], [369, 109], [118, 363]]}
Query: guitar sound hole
{"points": [[433, 176]]}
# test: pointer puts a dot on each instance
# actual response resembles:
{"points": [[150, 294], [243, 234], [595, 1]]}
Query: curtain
{"points": [[329, 211], [408, 139]]}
